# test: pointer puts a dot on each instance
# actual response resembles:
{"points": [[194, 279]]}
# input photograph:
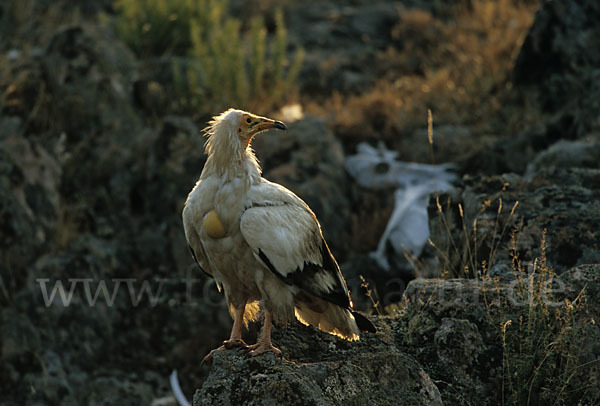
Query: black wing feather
{"points": [[303, 277], [196, 259], [363, 323]]}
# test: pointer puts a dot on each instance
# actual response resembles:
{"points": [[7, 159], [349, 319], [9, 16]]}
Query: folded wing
{"points": [[286, 237]]}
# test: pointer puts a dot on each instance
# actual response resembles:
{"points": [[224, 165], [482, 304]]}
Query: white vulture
{"points": [[261, 242]]}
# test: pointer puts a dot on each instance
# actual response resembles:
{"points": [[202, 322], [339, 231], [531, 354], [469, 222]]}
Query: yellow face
{"points": [[250, 125]]}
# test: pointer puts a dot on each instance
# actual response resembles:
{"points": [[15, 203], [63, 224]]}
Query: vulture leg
{"points": [[235, 340], [264, 343]]}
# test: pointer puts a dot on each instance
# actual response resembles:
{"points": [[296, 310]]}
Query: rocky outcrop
{"points": [[342, 46], [320, 369], [483, 323], [553, 199], [373, 377], [556, 60], [558, 72], [559, 69], [444, 346], [91, 191]]}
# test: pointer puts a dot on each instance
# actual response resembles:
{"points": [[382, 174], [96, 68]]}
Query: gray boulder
{"points": [[556, 199], [560, 63], [319, 369]]}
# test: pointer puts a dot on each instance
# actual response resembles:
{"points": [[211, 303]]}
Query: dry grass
{"points": [[472, 248], [547, 340], [458, 67], [548, 355]]}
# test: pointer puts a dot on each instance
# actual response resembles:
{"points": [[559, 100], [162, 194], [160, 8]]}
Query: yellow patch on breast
{"points": [[213, 225]]}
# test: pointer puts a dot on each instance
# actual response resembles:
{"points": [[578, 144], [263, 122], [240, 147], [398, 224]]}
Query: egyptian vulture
{"points": [[261, 242]]}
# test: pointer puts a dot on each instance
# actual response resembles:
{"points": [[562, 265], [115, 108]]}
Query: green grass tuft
{"points": [[226, 65]]}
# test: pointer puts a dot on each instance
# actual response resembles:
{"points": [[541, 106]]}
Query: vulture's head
{"points": [[231, 132]]}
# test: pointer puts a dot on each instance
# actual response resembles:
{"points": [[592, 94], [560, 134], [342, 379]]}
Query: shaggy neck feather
{"points": [[227, 156]]}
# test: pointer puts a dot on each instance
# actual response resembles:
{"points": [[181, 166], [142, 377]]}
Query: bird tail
{"points": [[363, 323], [333, 319]]}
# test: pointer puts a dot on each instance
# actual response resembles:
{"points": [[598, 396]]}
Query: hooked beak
{"points": [[266, 124]]}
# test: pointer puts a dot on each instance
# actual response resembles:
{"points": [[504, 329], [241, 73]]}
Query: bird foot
{"points": [[209, 357], [261, 348], [227, 345]]}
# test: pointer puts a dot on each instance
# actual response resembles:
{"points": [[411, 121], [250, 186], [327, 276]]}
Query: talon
{"points": [[251, 347], [261, 349], [209, 357], [229, 344]]}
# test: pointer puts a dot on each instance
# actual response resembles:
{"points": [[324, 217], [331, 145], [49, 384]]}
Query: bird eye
{"points": [[248, 120]]}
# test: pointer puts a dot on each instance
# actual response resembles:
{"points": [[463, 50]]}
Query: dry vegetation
{"points": [[546, 350], [458, 67], [543, 328]]}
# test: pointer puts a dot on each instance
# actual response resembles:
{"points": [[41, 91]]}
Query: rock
{"points": [[445, 344], [54, 386], [91, 75], [342, 42], [29, 200], [41, 174], [458, 343], [318, 370], [560, 40], [111, 389], [454, 298], [451, 143], [557, 71], [498, 155], [554, 199], [582, 278], [19, 345], [466, 333], [567, 154], [559, 62], [459, 347], [92, 193]]}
